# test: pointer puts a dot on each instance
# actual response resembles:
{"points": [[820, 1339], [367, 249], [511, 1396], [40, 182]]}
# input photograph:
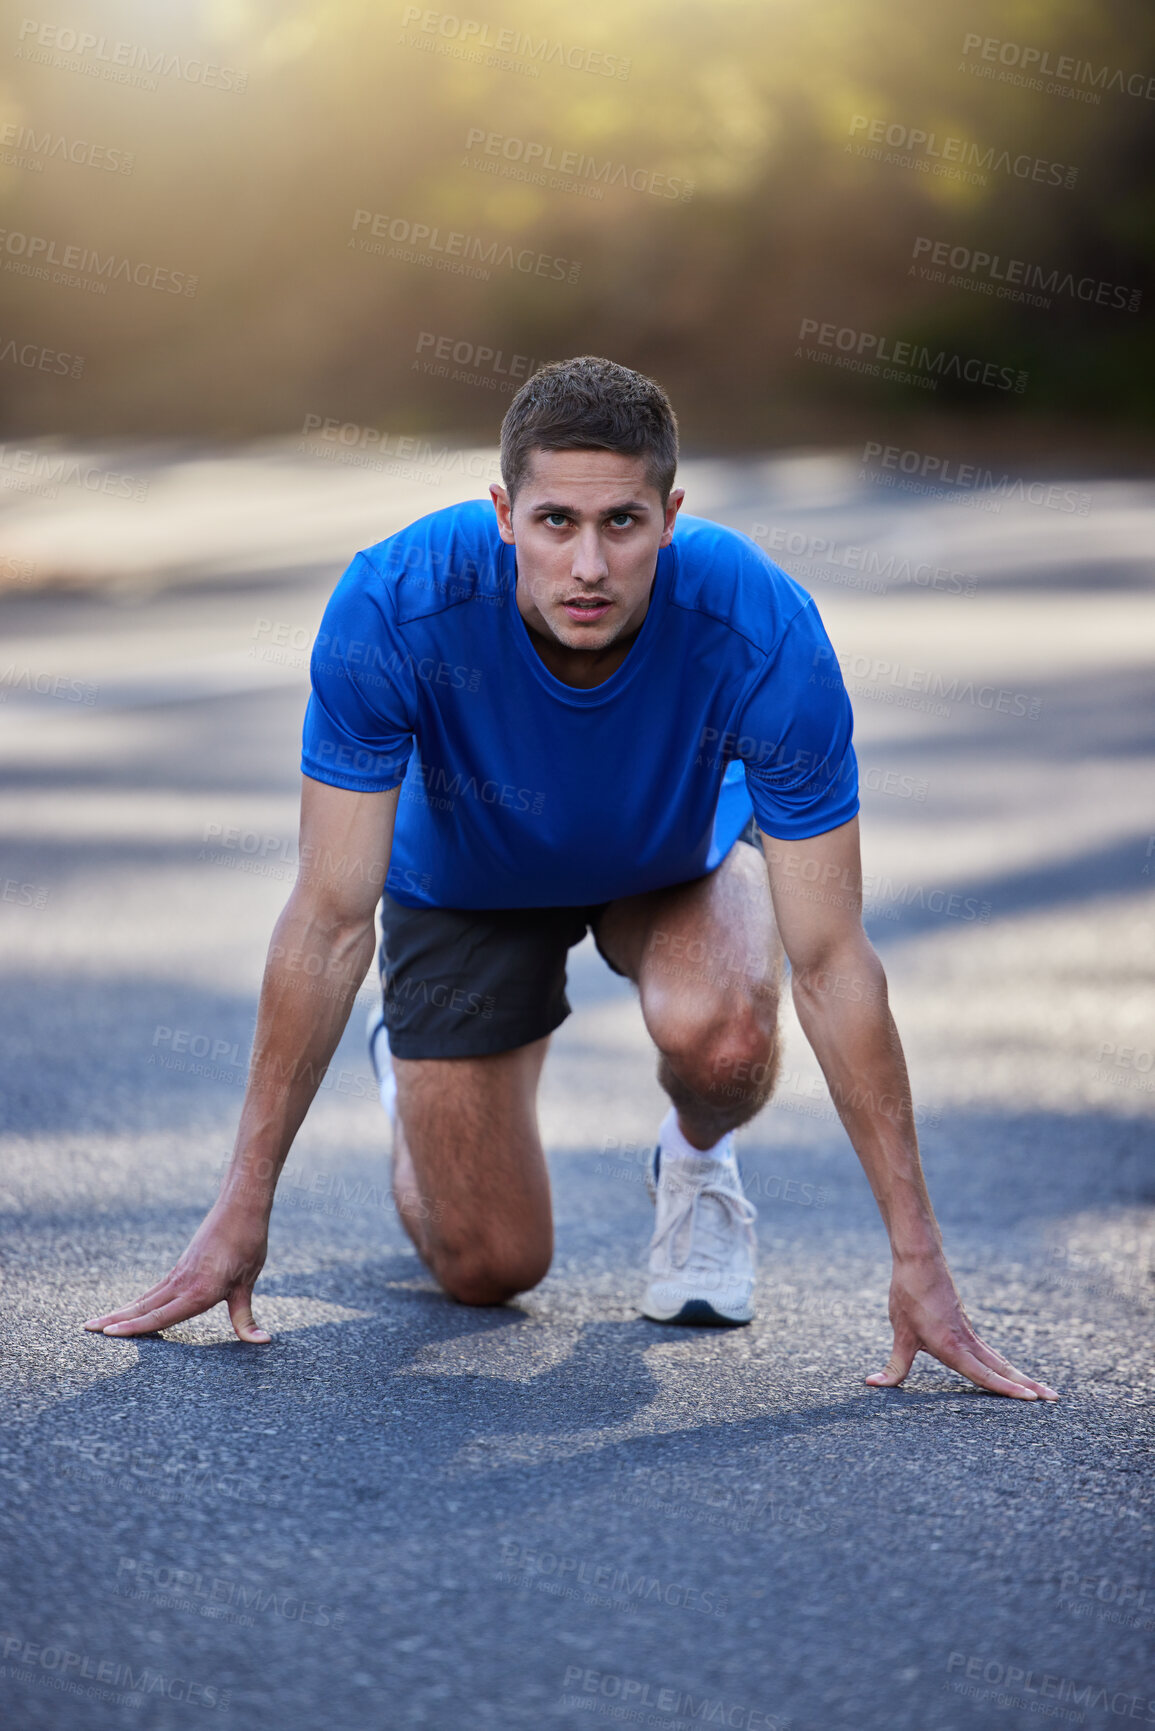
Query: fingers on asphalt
{"points": [[897, 1369], [163, 1316], [1004, 1379], [241, 1312], [140, 1307], [995, 1361], [970, 1365]]}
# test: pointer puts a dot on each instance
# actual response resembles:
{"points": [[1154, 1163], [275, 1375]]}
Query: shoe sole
{"points": [[699, 1313], [696, 1312]]}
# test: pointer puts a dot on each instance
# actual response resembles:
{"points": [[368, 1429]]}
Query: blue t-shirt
{"points": [[518, 790]]}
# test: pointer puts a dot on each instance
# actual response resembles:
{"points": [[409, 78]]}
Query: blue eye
{"points": [[622, 519], [555, 519]]}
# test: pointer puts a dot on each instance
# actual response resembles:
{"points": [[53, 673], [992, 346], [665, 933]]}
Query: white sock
{"points": [[383, 1064], [674, 1145], [387, 1093]]}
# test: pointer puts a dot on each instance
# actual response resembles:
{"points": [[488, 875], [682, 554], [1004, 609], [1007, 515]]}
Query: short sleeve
{"points": [[358, 731], [794, 736]]}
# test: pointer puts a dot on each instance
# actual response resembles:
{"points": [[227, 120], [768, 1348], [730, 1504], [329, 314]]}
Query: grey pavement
{"points": [[405, 1513]]}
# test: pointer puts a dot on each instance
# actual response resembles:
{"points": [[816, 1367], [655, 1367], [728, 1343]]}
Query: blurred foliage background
{"points": [[361, 105]]}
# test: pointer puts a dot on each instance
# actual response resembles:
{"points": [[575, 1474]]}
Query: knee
{"points": [[714, 1048], [475, 1272]]}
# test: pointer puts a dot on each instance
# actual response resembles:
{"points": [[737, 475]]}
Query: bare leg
{"points": [[469, 1174], [707, 960]]}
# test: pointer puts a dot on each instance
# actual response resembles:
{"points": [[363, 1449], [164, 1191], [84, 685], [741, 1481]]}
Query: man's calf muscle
{"points": [[469, 1173]]}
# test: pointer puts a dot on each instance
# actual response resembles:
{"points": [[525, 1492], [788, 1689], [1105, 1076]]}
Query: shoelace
{"points": [[666, 1238]]}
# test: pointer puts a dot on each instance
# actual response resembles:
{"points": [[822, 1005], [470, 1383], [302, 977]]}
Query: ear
{"points": [[504, 509], [673, 505]]}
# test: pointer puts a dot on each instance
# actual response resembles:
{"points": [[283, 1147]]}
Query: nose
{"points": [[589, 560]]}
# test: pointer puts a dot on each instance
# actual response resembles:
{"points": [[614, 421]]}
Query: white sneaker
{"points": [[379, 1057], [702, 1254]]}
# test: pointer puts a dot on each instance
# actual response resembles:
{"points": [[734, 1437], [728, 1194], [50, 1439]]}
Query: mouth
{"points": [[587, 610]]}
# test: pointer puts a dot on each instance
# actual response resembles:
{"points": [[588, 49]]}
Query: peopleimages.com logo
{"points": [[892, 682], [73, 50], [528, 1565], [621, 1697], [477, 40], [54, 1663], [534, 161], [1013, 1685], [21, 146], [33, 254], [473, 363], [453, 250], [39, 358], [878, 568], [1017, 279], [407, 454], [936, 474], [957, 158], [1031, 65], [869, 352]]}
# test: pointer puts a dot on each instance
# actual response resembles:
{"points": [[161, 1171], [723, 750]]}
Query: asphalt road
{"points": [[405, 1513]]}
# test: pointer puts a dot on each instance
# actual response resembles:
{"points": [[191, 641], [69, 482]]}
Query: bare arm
{"points": [[841, 998], [320, 950]]}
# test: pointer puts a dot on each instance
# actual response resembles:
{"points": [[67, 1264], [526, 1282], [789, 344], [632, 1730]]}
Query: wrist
{"points": [[916, 1252], [915, 1242], [246, 1196]]}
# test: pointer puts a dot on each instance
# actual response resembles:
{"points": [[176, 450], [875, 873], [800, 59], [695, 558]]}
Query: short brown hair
{"points": [[590, 404]]}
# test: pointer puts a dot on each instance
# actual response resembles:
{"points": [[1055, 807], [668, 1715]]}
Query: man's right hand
{"points": [[223, 1260], [321, 947]]}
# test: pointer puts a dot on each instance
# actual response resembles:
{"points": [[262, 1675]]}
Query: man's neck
{"points": [[581, 668]]}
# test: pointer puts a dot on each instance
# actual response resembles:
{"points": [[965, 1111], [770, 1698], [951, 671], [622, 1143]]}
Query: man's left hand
{"points": [[927, 1315]]}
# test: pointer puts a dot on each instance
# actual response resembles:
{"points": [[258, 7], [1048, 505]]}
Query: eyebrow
{"points": [[610, 511]]}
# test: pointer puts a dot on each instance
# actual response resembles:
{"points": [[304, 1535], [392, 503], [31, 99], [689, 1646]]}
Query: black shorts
{"points": [[467, 982]]}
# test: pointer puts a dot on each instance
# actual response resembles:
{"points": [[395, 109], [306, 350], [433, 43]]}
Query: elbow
{"points": [[338, 921], [845, 972]]}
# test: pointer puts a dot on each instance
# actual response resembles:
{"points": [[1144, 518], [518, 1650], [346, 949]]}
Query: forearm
{"points": [[315, 967], [843, 1009]]}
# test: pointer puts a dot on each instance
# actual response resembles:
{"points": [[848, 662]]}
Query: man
{"points": [[557, 716]]}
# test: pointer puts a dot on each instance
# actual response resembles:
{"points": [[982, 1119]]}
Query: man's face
{"points": [[587, 526]]}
